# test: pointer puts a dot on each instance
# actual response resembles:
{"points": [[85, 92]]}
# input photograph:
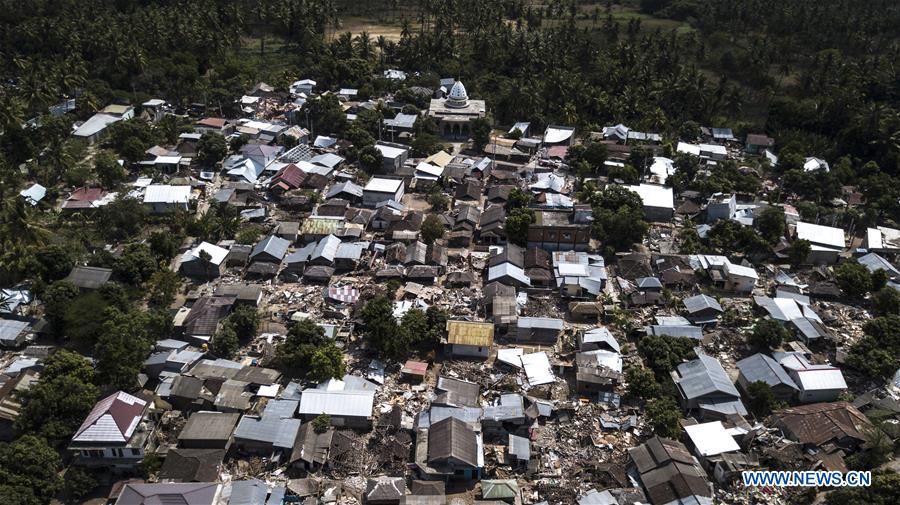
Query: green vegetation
{"points": [[760, 400], [768, 334], [56, 406], [663, 353], [853, 279], [618, 218], [432, 229], [877, 352], [29, 472], [416, 330], [664, 415]]}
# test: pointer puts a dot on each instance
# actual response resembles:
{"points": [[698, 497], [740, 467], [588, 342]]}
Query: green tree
{"points": [[57, 299], [109, 171], [327, 362], [225, 342], [877, 352], [481, 133], [798, 251], [122, 347], [436, 319], [627, 174], [121, 218], [618, 218], [886, 300], [880, 279], [321, 423], [517, 223], [78, 483], [164, 287], [29, 472], [768, 334], [438, 201], [761, 401], [432, 229], [642, 383], [54, 261], [56, 406], [885, 490], [245, 320], [370, 159], [853, 279], [84, 317], [164, 244], [302, 340], [663, 353], [518, 199], [382, 330], [664, 415], [136, 264], [211, 149], [771, 224]]}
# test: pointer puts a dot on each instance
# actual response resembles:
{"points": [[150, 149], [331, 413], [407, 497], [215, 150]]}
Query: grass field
{"points": [[357, 25]]}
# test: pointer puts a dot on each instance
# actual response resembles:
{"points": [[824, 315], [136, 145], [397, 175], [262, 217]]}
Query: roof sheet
{"points": [[113, 419], [654, 196], [354, 403], [822, 235], [470, 333], [705, 376], [382, 185], [163, 193], [711, 439], [760, 367]]}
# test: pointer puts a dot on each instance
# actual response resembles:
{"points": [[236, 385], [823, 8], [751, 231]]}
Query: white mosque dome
{"points": [[458, 91], [458, 97]]}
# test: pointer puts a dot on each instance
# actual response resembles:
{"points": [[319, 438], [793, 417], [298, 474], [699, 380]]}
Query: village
{"points": [[460, 326]]}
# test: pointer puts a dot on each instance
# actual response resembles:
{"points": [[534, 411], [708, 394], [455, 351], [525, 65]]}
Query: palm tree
{"points": [[364, 45]]}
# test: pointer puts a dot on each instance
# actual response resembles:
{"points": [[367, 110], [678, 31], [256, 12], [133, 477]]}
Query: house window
{"points": [[135, 452], [567, 236]]}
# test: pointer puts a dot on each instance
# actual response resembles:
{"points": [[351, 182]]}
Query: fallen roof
{"points": [[711, 439], [820, 423]]}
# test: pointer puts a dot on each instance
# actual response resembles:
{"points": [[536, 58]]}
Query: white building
{"points": [[826, 242], [95, 127], [163, 199], [115, 434], [379, 190], [659, 201]]}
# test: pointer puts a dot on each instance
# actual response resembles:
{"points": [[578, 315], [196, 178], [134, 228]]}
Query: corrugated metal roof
{"points": [[760, 367], [704, 376], [711, 439], [537, 368], [470, 333], [701, 302], [820, 379], [272, 245], [10, 329], [541, 323], [355, 403], [113, 419]]}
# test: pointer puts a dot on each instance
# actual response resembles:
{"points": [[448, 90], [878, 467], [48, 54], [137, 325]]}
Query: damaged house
{"points": [[704, 386]]}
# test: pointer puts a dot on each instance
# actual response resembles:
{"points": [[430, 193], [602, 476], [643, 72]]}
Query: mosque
{"points": [[454, 112]]}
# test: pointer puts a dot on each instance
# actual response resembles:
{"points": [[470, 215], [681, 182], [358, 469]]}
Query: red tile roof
{"points": [[212, 122], [291, 175]]}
